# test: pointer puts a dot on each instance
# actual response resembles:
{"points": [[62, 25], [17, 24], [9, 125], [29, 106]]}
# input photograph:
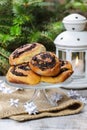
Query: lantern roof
{"points": [[74, 36], [76, 18], [72, 39], [74, 22]]}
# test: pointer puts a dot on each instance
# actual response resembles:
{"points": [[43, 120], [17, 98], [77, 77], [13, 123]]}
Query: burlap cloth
{"points": [[66, 105]]}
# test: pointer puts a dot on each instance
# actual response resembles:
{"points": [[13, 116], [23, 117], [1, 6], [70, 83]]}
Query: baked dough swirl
{"points": [[25, 52], [65, 72], [22, 74], [45, 64], [65, 65]]}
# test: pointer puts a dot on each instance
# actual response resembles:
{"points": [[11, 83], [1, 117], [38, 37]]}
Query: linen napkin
{"points": [[14, 103]]}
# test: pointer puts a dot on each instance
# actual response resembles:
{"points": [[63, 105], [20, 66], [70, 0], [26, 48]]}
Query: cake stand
{"points": [[41, 93]]}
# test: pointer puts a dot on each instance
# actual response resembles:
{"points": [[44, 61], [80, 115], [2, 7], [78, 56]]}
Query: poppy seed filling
{"points": [[24, 67], [16, 53], [42, 62], [63, 62], [13, 71]]}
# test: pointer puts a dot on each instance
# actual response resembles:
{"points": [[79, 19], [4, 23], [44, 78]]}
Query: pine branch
{"points": [[4, 53], [3, 2], [47, 35], [4, 65]]}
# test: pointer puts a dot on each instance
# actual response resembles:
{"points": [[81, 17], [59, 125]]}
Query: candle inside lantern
{"points": [[78, 66]]}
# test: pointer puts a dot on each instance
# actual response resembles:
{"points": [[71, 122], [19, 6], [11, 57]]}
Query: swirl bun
{"points": [[45, 63], [22, 74], [65, 65], [65, 72], [58, 78], [24, 53]]}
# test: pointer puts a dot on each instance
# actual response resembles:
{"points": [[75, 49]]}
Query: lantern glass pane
{"points": [[78, 63], [80, 55], [62, 55]]}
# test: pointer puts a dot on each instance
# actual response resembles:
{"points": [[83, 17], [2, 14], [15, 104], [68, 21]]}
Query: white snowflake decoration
{"points": [[2, 88], [56, 97], [31, 108], [14, 102], [73, 94], [77, 96], [6, 90], [83, 99]]}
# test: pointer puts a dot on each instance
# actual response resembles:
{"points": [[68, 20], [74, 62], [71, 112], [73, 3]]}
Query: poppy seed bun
{"points": [[22, 74], [45, 63], [24, 53], [65, 72]]}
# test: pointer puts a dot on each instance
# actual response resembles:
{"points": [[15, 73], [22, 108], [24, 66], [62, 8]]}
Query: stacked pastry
{"points": [[20, 71], [31, 64]]}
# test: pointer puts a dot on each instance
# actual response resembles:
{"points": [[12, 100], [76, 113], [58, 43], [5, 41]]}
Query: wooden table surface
{"points": [[70, 122]]}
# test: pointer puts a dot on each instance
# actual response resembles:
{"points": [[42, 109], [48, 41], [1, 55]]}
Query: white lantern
{"points": [[71, 45]]}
